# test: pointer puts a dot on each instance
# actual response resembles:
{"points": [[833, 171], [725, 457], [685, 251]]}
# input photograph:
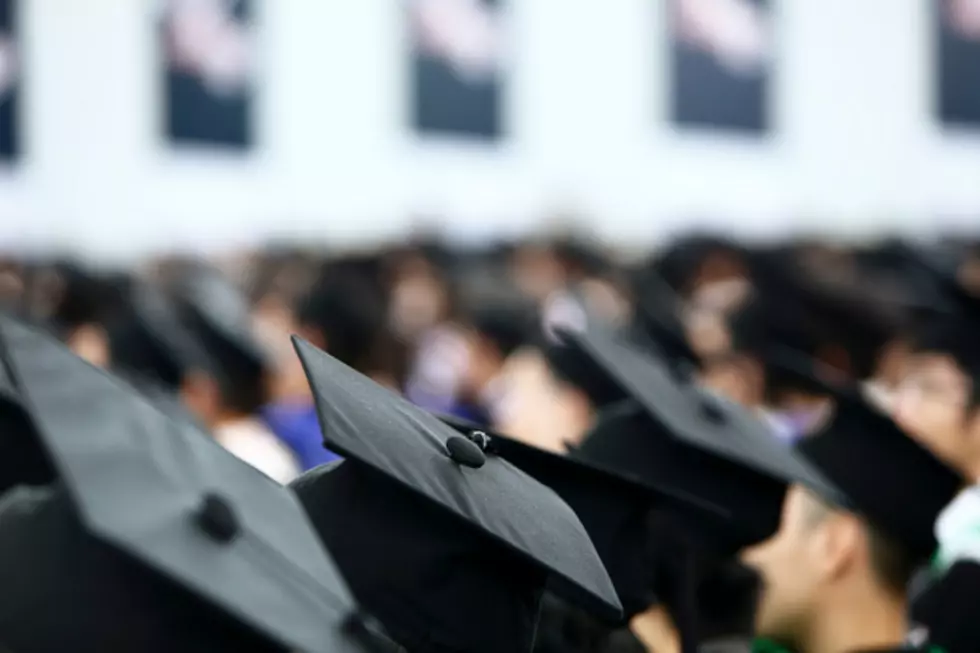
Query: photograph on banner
{"points": [[209, 72], [458, 75], [721, 58], [10, 145], [957, 78]]}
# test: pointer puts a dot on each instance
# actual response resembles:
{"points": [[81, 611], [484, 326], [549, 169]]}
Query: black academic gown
{"points": [[950, 609]]}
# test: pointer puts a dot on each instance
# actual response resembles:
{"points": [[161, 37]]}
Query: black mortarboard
{"points": [[695, 416], [22, 459], [613, 508], [150, 343], [217, 312], [445, 545], [573, 366], [909, 486], [508, 325], [217, 315], [627, 442], [951, 327], [154, 498], [688, 551], [658, 322]]}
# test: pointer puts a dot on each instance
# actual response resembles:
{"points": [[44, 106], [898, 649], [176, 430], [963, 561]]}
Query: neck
{"points": [[871, 624]]}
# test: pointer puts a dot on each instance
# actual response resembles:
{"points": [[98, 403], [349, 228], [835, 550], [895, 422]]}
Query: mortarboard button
{"points": [[217, 519], [468, 450], [712, 412], [130, 476], [613, 508], [473, 548]]}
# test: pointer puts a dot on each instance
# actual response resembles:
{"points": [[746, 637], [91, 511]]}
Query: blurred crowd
{"points": [[466, 331], [841, 350]]}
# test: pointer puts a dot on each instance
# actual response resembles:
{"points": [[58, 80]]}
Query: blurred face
{"points": [[792, 568], [418, 301], [483, 363], [932, 404], [737, 378]]}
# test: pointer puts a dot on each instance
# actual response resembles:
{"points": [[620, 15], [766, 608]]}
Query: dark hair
{"points": [[349, 313], [955, 338], [892, 562]]}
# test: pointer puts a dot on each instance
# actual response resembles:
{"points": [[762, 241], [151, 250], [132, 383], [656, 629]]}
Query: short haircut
{"points": [[892, 563], [956, 339]]}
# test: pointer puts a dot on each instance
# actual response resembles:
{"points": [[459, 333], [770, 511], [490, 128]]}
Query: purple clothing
{"points": [[299, 429]]}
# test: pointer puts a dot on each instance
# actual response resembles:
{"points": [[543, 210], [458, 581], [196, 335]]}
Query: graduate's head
{"points": [[937, 400], [845, 553], [824, 559]]}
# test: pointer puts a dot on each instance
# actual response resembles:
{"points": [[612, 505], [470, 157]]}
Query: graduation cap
{"points": [[507, 324], [22, 459], [689, 552], [217, 316], [909, 487], [144, 497], [150, 342], [217, 311], [659, 325], [613, 507], [446, 545], [695, 416], [573, 366], [949, 327], [625, 441]]}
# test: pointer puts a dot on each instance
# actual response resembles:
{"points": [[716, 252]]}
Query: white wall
{"points": [[856, 150]]}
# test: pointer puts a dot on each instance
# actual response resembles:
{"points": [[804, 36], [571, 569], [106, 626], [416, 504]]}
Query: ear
{"points": [[839, 541]]}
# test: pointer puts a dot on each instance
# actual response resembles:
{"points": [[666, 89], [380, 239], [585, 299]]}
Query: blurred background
{"points": [[129, 128], [408, 182]]}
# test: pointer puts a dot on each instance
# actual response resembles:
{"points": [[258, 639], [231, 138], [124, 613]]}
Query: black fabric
{"points": [[574, 367], [148, 341], [217, 315], [696, 417], [23, 461], [950, 609], [506, 327], [613, 508], [65, 591], [886, 476], [348, 311], [658, 323], [562, 628], [367, 423], [626, 441], [156, 489], [437, 585]]}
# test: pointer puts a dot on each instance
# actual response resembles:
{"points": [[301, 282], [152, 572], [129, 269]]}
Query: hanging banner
{"points": [[721, 63], [957, 92], [10, 144], [209, 72], [457, 72]]}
